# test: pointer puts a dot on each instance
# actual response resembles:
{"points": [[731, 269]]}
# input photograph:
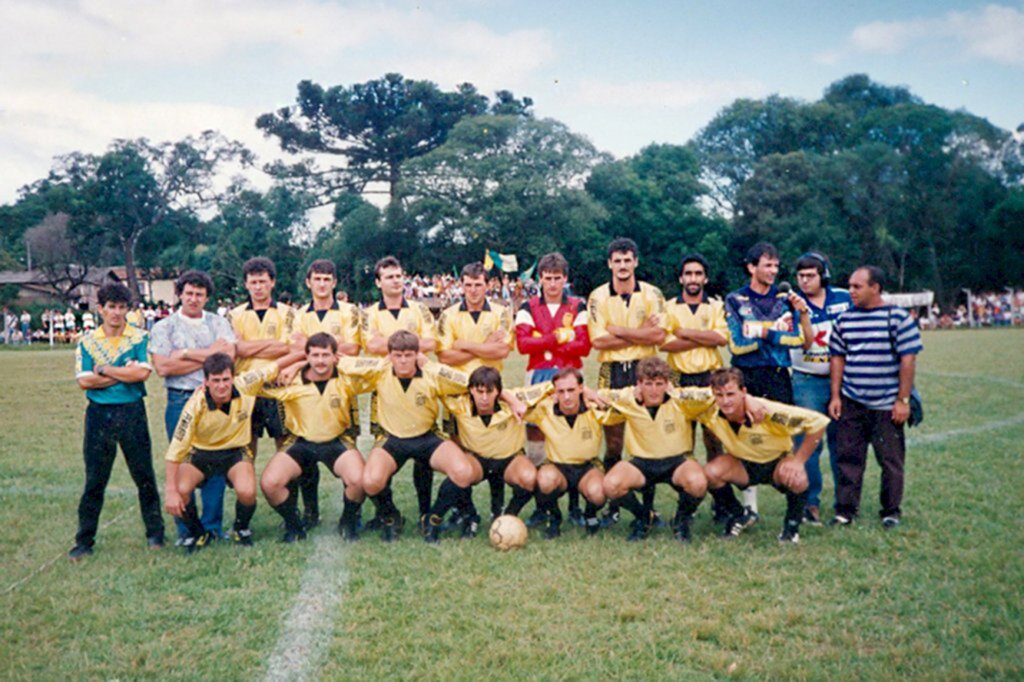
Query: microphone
{"points": [[785, 287]]}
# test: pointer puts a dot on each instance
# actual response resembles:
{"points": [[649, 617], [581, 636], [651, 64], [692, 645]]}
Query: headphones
{"points": [[826, 274]]}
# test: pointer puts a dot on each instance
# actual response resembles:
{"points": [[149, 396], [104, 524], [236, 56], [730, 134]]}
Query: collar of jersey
{"points": [[248, 304], [334, 375], [334, 306], [464, 308], [703, 298], [213, 406], [746, 419], [417, 375], [383, 306], [636, 288], [583, 408], [472, 406]]}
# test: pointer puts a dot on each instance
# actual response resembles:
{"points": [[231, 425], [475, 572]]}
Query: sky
{"points": [[78, 74]]}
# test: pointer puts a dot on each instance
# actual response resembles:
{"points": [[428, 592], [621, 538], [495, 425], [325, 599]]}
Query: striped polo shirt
{"points": [[867, 338]]}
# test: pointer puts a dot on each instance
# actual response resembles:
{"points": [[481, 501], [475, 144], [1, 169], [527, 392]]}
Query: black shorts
{"points": [[494, 469], [217, 462], [419, 448], [574, 473], [268, 414], [307, 453], [617, 374], [698, 379], [658, 470], [760, 473], [773, 383]]}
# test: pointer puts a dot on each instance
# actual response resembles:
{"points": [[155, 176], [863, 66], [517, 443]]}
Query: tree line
{"points": [[868, 173]]}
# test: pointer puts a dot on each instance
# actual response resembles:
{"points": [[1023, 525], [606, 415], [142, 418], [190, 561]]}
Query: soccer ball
{"points": [[508, 532]]}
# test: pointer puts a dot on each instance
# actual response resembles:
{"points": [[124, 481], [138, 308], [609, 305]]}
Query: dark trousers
{"points": [[859, 426], [773, 383], [106, 427]]}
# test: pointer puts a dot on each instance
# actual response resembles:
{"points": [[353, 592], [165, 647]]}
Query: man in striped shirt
{"points": [[873, 349]]}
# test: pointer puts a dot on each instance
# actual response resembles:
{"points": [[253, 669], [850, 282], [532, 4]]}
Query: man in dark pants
{"points": [[111, 366], [873, 349]]}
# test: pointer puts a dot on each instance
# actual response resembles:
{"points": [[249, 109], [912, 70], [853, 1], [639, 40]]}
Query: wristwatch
{"points": [[905, 401], [184, 354], [99, 370]]}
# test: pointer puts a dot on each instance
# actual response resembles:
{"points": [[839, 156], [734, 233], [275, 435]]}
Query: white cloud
{"points": [[994, 33], [665, 94]]}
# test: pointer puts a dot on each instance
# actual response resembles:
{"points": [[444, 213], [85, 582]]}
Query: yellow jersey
{"points": [[665, 433], [415, 317], [457, 322], [604, 307], [341, 320], [709, 315], [496, 436], [317, 411], [569, 439], [276, 324]]}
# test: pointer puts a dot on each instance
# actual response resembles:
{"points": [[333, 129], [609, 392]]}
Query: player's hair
{"points": [[217, 363], [623, 245], [196, 278], [386, 262], [113, 293], [695, 258], [876, 275], [553, 262], [403, 340], [815, 260], [285, 298], [726, 375], [322, 340], [474, 270], [568, 372], [259, 266], [322, 266], [654, 368], [485, 377], [759, 250]]}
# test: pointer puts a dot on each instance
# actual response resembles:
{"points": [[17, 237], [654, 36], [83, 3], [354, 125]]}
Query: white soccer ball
{"points": [[508, 532]]}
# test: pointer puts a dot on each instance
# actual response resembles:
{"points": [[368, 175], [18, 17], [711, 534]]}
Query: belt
{"points": [[181, 390]]}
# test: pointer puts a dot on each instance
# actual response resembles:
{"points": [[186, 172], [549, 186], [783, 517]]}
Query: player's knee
{"points": [[547, 480], [694, 483], [185, 489], [525, 478], [246, 493], [594, 492]]}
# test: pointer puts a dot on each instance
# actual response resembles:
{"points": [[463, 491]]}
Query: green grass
{"points": [[939, 598]]}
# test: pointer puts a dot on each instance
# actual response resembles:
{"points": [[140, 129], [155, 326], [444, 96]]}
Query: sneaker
{"points": [[391, 528], [79, 552], [242, 537], [840, 520], [737, 524], [291, 536], [432, 534], [576, 517], [812, 516], [592, 525], [454, 520], [538, 518], [640, 531], [790, 534], [195, 543], [554, 528], [609, 518], [470, 527], [890, 522], [310, 520], [155, 542]]}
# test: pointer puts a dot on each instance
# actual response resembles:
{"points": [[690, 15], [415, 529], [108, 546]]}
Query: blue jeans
{"points": [[814, 393], [212, 490]]}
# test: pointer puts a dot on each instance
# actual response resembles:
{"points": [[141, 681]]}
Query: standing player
{"points": [[317, 408], [407, 397], [759, 453], [212, 439], [342, 321], [111, 366], [763, 328], [819, 306], [551, 329], [627, 324], [180, 344]]}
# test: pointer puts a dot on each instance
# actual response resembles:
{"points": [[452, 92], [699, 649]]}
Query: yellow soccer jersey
{"points": [[709, 316], [204, 426], [403, 407], [667, 434], [277, 324], [607, 308], [341, 320], [457, 323], [501, 436], [318, 415], [412, 317], [770, 439], [577, 442]]}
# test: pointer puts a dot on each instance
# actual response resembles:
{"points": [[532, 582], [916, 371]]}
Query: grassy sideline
{"points": [[942, 597]]}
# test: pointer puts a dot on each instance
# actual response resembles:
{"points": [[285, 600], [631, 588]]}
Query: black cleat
{"points": [[812, 516], [296, 535], [242, 537], [195, 543], [576, 517], [840, 520], [790, 534], [310, 520], [554, 528], [640, 531], [591, 525], [434, 526], [890, 522], [470, 527], [609, 519], [719, 515], [391, 528], [349, 529], [681, 529], [376, 523], [454, 520], [79, 552], [538, 518], [737, 524]]}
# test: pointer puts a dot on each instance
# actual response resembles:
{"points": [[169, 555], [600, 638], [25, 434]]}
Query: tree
{"points": [[370, 129], [62, 259]]}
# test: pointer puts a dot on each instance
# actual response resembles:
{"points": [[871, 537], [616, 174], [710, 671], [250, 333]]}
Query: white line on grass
{"points": [[308, 626], [930, 438]]}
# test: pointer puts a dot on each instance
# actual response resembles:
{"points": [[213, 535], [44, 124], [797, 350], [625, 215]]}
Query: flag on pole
{"points": [[506, 262]]}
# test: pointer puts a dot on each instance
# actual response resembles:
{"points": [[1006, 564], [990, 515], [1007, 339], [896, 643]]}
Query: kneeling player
{"points": [[572, 443], [212, 437], [317, 410], [490, 428], [406, 409], [759, 453]]}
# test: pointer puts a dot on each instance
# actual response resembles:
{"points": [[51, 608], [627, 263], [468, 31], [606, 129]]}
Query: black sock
{"points": [[497, 486], [633, 506], [590, 510], [687, 504], [289, 511], [350, 510], [574, 500], [726, 500], [520, 496], [423, 481], [384, 502], [647, 493], [795, 505], [548, 502], [190, 517], [243, 515], [309, 483], [448, 496]]}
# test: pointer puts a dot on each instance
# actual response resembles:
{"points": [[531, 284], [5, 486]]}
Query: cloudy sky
{"points": [[79, 73]]}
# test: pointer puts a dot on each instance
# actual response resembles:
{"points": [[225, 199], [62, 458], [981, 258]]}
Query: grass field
{"points": [[941, 597]]}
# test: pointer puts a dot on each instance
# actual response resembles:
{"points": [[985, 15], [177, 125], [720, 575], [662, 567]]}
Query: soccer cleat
{"points": [[195, 543], [640, 531], [840, 520], [79, 552], [718, 515], [454, 520], [890, 522], [349, 529], [812, 516], [609, 518], [576, 517], [242, 537], [376, 523], [681, 529], [657, 521], [470, 527], [538, 518], [737, 524], [790, 534], [291, 536], [391, 528], [434, 526], [310, 520], [592, 525], [554, 528]]}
